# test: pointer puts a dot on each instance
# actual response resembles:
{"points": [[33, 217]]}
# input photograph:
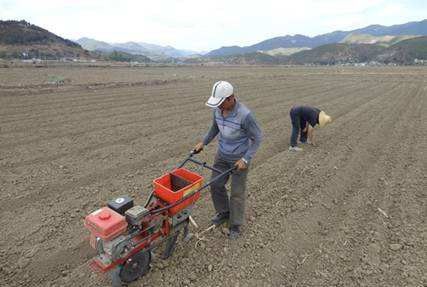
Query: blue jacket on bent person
{"points": [[305, 114]]}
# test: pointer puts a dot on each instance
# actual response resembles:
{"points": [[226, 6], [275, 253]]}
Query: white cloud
{"points": [[204, 25]]}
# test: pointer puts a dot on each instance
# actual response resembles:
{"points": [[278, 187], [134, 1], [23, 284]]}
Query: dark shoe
{"points": [[220, 218], [234, 232]]}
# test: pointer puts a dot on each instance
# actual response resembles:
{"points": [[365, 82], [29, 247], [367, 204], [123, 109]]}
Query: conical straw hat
{"points": [[324, 119]]}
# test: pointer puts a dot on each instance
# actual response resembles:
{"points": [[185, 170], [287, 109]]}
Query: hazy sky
{"points": [[205, 25]]}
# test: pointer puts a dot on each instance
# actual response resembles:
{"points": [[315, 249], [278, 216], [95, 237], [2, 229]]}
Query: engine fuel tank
{"points": [[105, 223]]}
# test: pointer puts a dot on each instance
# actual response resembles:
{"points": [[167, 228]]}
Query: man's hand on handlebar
{"points": [[198, 148], [241, 164]]}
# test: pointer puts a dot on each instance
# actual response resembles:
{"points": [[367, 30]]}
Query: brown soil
{"points": [[350, 212]]}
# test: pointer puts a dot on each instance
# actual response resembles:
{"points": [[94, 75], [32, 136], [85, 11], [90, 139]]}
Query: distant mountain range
{"points": [[400, 44], [301, 41], [155, 52], [403, 52]]}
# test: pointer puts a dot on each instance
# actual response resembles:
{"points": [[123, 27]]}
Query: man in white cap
{"points": [[303, 119], [239, 139]]}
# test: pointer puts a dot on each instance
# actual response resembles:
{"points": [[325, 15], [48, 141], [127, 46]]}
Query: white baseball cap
{"points": [[220, 91]]}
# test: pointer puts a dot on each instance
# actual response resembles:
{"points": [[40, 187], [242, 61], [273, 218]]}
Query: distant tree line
{"points": [[126, 57]]}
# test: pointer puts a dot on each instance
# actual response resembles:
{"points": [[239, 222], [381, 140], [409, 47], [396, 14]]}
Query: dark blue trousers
{"points": [[297, 129]]}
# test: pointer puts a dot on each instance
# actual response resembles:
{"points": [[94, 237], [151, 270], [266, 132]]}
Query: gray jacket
{"points": [[239, 133]]}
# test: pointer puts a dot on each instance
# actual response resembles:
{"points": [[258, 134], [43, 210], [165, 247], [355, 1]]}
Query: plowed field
{"points": [[349, 212]]}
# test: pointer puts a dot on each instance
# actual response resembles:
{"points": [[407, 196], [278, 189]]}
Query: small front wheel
{"points": [[136, 266]]}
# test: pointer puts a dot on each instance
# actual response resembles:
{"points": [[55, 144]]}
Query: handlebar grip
{"points": [[194, 151]]}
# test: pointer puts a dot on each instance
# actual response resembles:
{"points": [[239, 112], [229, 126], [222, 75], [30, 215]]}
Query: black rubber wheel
{"points": [[136, 266]]}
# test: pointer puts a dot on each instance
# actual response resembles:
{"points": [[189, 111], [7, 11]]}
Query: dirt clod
{"points": [[395, 246]]}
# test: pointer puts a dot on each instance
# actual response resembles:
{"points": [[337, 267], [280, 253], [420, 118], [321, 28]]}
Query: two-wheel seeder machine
{"points": [[124, 234]]}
